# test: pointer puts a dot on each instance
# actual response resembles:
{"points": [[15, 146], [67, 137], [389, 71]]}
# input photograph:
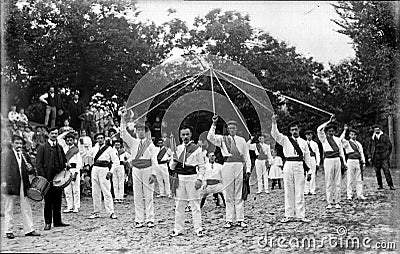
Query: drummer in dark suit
{"points": [[50, 160], [15, 167]]}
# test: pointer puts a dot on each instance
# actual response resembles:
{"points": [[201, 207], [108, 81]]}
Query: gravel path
{"points": [[373, 221]]}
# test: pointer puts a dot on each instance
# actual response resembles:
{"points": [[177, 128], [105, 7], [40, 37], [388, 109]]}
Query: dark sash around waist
{"points": [[162, 162], [294, 159], [141, 163], [233, 158], [354, 156], [122, 163], [212, 181], [105, 164], [332, 154], [187, 170]]}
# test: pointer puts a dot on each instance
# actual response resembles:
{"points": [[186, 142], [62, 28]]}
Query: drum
{"points": [[38, 189], [62, 179]]}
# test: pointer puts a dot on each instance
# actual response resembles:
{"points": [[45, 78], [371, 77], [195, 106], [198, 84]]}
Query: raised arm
{"points": [[43, 98], [279, 137], [321, 129], [211, 136]]}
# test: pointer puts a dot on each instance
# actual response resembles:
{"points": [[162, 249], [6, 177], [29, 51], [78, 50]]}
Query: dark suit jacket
{"points": [[380, 149], [43, 163], [11, 175]]}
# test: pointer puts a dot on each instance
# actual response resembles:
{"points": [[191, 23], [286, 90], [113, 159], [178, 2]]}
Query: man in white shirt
{"points": [[236, 153], [52, 101], [75, 164], [333, 154], [212, 181], [309, 188], [355, 162], [263, 153], [189, 165], [143, 158], [163, 157], [119, 172], [296, 153], [105, 161]]}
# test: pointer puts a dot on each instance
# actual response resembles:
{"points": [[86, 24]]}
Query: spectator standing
{"points": [[52, 101], [75, 109]]}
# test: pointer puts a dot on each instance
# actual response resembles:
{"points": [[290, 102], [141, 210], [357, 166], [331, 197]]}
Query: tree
{"points": [[375, 32], [91, 46]]}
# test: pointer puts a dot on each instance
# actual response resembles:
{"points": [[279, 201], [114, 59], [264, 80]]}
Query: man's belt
{"points": [[294, 158], [105, 164], [162, 162], [259, 157], [331, 154], [212, 181], [354, 156], [233, 158], [141, 163], [186, 170]]}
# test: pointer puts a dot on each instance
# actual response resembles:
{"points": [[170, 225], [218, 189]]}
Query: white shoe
{"points": [[259, 192], [75, 211], [337, 206], [94, 216], [267, 192], [349, 198], [329, 206], [362, 197], [67, 211]]}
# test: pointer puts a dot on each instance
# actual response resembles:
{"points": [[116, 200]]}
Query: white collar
{"points": [[377, 135]]}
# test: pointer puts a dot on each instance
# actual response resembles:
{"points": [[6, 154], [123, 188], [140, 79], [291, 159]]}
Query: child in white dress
{"points": [[275, 172]]}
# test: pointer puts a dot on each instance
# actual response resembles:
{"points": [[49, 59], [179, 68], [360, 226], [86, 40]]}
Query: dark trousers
{"points": [[384, 165], [52, 205]]}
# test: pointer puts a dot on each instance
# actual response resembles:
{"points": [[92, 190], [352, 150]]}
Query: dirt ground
{"points": [[368, 226]]}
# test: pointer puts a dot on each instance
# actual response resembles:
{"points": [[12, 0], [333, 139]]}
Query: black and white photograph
{"points": [[172, 126]]}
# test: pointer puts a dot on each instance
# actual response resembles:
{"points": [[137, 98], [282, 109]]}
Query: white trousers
{"points": [[185, 192], [118, 182], [293, 182], [261, 171], [309, 186], [143, 194], [101, 185], [26, 211], [163, 179], [73, 194], [211, 189], [232, 175], [354, 177], [332, 179]]}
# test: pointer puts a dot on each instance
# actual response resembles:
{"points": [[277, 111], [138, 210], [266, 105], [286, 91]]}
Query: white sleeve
{"points": [[213, 138]]}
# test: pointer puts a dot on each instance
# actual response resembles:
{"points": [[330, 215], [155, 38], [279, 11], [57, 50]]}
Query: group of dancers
{"points": [[194, 175]]}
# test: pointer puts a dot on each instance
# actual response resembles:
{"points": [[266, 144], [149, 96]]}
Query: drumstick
{"points": [[28, 164]]}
